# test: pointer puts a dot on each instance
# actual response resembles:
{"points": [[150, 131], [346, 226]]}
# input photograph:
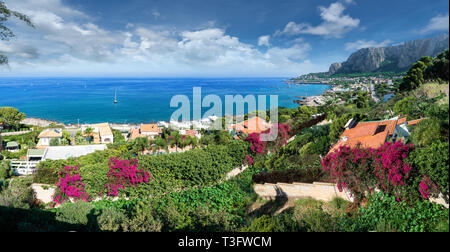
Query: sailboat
{"points": [[115, 97]]}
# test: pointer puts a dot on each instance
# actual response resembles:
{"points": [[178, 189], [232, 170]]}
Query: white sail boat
{"points": [[115, 97]]}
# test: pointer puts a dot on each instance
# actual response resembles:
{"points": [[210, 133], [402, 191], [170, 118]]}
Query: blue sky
{"points": [[207, 38]]}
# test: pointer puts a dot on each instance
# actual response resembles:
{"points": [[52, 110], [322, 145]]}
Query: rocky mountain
{"points": [[396, 58]]}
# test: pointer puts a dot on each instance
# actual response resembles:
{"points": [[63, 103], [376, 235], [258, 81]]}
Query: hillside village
{"points": [[333, 167]]}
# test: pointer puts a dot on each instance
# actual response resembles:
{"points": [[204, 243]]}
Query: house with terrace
{"points": [[102, 133], [253, 125], [34, 156], [191, 133], [374, 134], [47, 136], [149, 131]]}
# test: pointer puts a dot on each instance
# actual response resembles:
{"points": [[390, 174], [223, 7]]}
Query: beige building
{"points": [[146, 130], [47, 136], [102, 133]]}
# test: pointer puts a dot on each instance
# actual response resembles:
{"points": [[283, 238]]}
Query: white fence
{"points": [[23, 167]]}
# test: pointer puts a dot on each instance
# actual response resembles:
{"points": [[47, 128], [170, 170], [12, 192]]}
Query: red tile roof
{"points": [[363, 133], [252, 125], [191, 133], [401, 120], [135, 133], [150, 128], [414, 122]]}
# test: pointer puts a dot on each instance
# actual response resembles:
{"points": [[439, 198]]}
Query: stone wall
{"points": [[43, 192], [316, 190]]}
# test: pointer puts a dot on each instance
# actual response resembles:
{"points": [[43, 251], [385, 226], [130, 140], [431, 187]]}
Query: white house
{"points": [[150, 130], [102, 133], [63, 152], [47, 136]]}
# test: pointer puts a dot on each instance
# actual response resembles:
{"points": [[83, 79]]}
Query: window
{"points": [[379, 129]]}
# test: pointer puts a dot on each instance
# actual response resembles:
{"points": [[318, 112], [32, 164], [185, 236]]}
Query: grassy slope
{"points": [[433, 89]]}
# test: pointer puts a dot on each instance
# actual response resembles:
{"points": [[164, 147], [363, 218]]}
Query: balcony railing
{"points": [[23, 167]]}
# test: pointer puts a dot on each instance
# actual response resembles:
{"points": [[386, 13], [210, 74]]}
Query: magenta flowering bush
{"points": [[389, 165], [248, 160], [362, 170], [123, 173], [427, 187], [259, 147], [69, 186]]}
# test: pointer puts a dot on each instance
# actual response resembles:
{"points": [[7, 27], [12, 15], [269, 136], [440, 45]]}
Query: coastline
{"points": [[312, 100], [305, 82]]}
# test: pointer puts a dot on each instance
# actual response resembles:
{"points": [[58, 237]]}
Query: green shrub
{"points": [[207, 219], [264, 223], [407, 106], [111, 220], [311, 217], [337, 206], [79, 213], [433, 160], [142, 221], [426, 132], [19, 194], [420, 216], [5, 170]]}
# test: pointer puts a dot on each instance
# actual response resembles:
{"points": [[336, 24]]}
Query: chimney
{"points": [[349, 124]]}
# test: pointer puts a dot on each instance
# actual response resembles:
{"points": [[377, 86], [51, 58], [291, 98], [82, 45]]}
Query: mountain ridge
{"points": [[397, 58]]}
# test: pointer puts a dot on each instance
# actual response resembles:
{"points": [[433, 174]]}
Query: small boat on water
{"points": [[115, 97]]}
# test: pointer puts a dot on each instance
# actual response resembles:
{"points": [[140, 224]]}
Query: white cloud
{"points": [[353, 46], [264, 40], [334, 24], [156, 14], [70, 43], [19, 49], [349, 1], [438, 23]]}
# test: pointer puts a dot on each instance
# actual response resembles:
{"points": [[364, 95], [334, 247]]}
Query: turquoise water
{"points": [[139, 100]]}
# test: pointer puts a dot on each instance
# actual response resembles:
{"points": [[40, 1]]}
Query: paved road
{"points": [[14, 133]]}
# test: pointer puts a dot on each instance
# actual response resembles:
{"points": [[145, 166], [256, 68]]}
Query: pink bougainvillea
{"points": [[248, 160], [123, 173], [359, 169], [426, 187], [258, 146], [69, 186]]}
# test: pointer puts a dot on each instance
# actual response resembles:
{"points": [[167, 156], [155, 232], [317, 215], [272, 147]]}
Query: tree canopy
{"points": [[5, 32], [11, 116]]}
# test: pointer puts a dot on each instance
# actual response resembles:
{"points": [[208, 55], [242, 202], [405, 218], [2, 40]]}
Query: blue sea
{"points": [[91, 100]]}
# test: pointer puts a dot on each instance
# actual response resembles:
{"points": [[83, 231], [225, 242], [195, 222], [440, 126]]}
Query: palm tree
{"points": [[176, 140], [160, 143], [89, 132]]}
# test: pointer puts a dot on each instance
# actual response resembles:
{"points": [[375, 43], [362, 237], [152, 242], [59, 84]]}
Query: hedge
{"points": [[198, 167]]}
